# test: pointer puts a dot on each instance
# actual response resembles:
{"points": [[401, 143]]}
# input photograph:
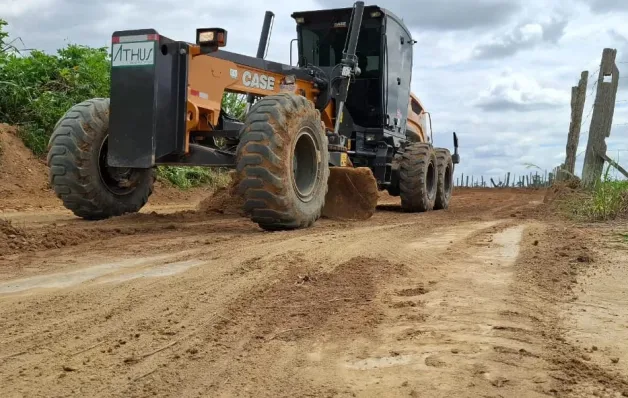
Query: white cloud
{"points": [[519, 92], [20, 8]]}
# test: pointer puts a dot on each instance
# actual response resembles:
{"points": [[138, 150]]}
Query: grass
{"points": [[192, 177], [608, 201]]}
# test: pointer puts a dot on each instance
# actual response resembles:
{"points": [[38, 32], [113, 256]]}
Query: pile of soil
{"points": [[225, 200], [11, 237], [23, 177], [352, 194], [558, 192]]}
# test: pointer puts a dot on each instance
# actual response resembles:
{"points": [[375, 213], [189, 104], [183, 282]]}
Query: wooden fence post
{"points": [[602, 119], [578, 97]]}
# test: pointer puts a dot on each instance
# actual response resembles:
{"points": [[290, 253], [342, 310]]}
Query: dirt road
{"points": [[488, 299]]}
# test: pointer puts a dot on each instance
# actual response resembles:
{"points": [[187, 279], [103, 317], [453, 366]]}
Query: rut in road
{"points": [[434, 327]]}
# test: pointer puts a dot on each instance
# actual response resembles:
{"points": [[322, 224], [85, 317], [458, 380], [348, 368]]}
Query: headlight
{"points": [[211, 37]]}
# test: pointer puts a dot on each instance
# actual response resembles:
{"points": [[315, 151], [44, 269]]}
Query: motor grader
{"points": [[345, 105]]}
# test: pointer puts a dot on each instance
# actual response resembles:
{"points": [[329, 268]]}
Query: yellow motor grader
{"points": [[346, 105]]}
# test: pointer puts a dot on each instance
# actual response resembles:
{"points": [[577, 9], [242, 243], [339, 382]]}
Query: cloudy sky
{"points": [[498, 72]]}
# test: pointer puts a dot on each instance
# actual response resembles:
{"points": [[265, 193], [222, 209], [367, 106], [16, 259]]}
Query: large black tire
{"points": [[278, 131], [79, 173], [418, 177], [444, 187]]}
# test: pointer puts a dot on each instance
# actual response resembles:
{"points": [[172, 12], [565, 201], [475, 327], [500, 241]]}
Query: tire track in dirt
{"points": [[438, 332]]}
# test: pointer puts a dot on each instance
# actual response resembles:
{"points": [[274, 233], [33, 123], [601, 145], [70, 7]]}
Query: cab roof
{"points": [[344, 15]]}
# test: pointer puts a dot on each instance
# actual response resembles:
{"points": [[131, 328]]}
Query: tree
{"points": [[3, 35], [234, 104]]}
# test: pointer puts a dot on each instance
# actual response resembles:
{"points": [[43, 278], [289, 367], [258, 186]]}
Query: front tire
{"points": [[79, 174], [418, 177], [283, 163]]}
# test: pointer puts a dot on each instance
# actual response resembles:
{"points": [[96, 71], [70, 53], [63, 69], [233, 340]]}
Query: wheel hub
{"points": [[118, 180], [305, 165]]}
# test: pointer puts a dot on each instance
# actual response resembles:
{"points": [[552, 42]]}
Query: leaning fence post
{"points": [[602, 119], [578, 97]]}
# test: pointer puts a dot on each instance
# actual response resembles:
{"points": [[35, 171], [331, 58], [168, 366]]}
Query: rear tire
{"points": [[418, 178], [445, 168], [79, 175], [283, 163]]}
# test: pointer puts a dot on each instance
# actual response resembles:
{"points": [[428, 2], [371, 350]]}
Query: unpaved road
{"points": [[491, 298]]}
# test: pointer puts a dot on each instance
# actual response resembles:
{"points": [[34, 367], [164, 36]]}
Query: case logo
{"points": [[254, 80]]}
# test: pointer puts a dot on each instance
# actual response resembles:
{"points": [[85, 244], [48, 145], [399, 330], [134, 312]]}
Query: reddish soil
{"points": [[496, 296], [223, 201]]}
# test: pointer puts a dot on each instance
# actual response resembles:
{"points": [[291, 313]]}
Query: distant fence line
{"points": [[530, 180]]}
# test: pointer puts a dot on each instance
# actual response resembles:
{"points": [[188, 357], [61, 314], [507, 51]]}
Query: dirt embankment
{"points": [[23, 176]]}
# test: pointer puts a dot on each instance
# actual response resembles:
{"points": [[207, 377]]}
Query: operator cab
{"points": [[378, 98]]}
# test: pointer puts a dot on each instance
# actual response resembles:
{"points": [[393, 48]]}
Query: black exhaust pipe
{"points": [[265, 36], [263, 45]]}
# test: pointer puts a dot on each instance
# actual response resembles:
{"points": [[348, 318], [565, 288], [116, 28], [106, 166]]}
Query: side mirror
{"points": [[455, 157]]}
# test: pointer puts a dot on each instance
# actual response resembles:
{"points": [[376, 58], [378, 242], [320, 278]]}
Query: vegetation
{"points": [[36, 89], [608, 201], [190, 177]]}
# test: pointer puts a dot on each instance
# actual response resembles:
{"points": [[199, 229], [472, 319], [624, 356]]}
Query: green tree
{"points": [[234, 105], [3, 35]]}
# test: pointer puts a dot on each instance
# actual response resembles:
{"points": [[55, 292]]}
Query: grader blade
{"points": [[352, 194]]}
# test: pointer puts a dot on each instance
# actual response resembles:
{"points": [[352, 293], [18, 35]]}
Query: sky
{"points": [[497, 72]]}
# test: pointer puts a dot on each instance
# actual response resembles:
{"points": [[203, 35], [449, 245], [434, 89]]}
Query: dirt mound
{"points": [[165, 194], [352, 194], [23, 176], [225, 200], [11, 237], [558, 192]]}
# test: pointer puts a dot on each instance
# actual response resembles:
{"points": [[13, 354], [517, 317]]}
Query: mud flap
{"points": [[149, 76]]}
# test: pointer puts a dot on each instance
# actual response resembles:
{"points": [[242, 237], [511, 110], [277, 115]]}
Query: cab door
{"points": [[398, 75]]}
